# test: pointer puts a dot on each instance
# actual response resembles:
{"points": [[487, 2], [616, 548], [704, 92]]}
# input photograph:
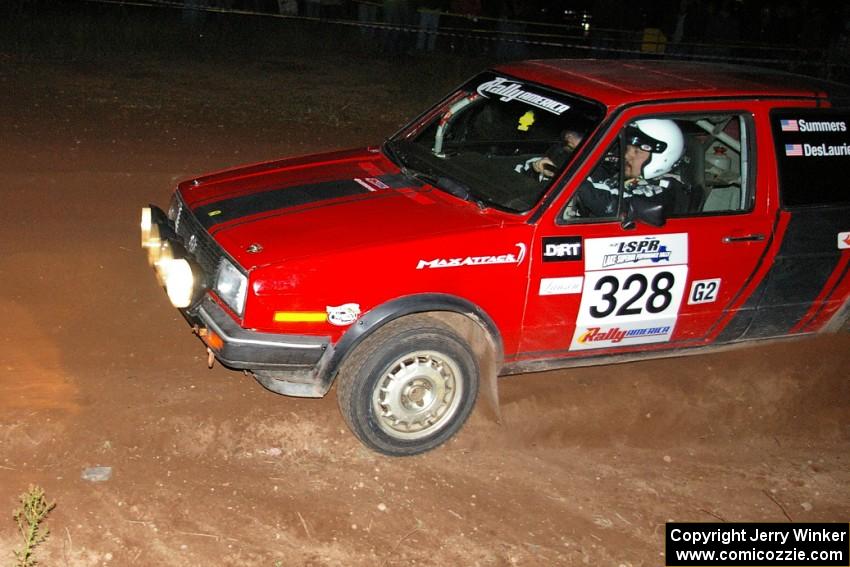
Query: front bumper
{"points": [[286, 364]]}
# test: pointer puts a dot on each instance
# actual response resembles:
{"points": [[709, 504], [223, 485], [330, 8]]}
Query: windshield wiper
{"points": [[448, 184], [391, 149]]}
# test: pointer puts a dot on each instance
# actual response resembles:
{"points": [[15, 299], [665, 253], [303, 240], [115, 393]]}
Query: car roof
{"points": [[617, 82]]}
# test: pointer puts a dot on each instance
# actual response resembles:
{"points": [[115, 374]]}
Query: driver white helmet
{"points": [[662, 138]]}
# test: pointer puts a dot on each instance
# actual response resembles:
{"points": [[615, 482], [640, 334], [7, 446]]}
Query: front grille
{"points": [[198, 242]]}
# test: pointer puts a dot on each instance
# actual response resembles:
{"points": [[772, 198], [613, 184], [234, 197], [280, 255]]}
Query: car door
{"points": [[599, 285], [808, 276]]}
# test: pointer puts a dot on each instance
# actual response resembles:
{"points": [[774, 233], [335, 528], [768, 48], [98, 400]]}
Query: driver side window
{"points": [[685, 166], [597, 198]]}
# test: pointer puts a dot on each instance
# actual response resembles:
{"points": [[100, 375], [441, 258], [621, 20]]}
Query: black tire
{"points": [[409, 387]]}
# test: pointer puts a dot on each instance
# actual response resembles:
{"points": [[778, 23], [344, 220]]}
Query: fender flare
{"points": [[375, 318]]}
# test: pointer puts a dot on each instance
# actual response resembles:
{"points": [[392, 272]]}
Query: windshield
{"points": [[497, 141]]}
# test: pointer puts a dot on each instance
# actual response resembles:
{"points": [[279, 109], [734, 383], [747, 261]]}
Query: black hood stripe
{"points": [[247, 205], [225, 210]]}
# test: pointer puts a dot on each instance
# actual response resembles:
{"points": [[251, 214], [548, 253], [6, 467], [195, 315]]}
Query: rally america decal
{"points": [[632, 291], [509, 258], [612, 336], [508, 90]]}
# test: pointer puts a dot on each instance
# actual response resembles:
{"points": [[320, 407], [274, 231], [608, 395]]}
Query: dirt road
{"points": [[211, 469]]}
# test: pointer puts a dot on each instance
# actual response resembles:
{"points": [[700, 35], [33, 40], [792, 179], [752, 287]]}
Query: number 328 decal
{"points": [[633, 288]]}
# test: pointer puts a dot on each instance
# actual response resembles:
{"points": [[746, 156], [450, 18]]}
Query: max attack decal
{"points": [[561, 248], [343, 315], [508, 91], [509, 258]]}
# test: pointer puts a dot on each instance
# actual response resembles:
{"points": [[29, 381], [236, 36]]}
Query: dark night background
{"points": [[806, 36], [105, 106]]}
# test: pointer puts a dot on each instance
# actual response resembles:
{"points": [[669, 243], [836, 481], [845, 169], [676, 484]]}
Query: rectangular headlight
{"points": [[231, 285], [174, 209]]}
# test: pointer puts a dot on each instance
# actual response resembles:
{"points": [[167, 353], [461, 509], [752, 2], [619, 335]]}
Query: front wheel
{"points": [[409, 387]]}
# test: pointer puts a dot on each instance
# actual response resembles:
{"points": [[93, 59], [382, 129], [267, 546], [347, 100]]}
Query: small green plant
{"points": [[30, 517]]}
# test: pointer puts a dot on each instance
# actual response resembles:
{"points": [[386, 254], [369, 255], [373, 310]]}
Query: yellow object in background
{"points": [[525, 121], [654, 41]]}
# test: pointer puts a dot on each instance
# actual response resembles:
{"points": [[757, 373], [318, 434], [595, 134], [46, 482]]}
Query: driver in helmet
{"points": [[653, 147]]}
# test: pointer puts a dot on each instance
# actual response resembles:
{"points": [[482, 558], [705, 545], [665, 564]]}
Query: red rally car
{"points": [[545, 214]]}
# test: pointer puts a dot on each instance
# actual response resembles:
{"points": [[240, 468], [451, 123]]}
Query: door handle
{"points": [[745, 238]]}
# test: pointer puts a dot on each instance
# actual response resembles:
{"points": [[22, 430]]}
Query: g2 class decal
{"points": [[633, 288], [704, 291]]}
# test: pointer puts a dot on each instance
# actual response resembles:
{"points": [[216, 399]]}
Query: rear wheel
{"points": [[409, 387]]}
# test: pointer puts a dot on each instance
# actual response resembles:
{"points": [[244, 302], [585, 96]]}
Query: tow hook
{"points": [[202, 332]]}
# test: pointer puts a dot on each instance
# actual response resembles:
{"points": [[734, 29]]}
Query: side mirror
{"points": [[643, 210]]}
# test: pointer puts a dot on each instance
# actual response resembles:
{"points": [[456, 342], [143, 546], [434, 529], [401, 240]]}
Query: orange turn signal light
{"points": [[300, 317], [212, 340]]}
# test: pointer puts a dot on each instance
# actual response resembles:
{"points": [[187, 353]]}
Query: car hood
{"points": [[276, 211]]}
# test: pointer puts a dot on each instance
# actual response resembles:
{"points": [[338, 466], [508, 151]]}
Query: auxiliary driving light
{"points": [[179, 282], [154, 245], [164, 256], [145, 225]]}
